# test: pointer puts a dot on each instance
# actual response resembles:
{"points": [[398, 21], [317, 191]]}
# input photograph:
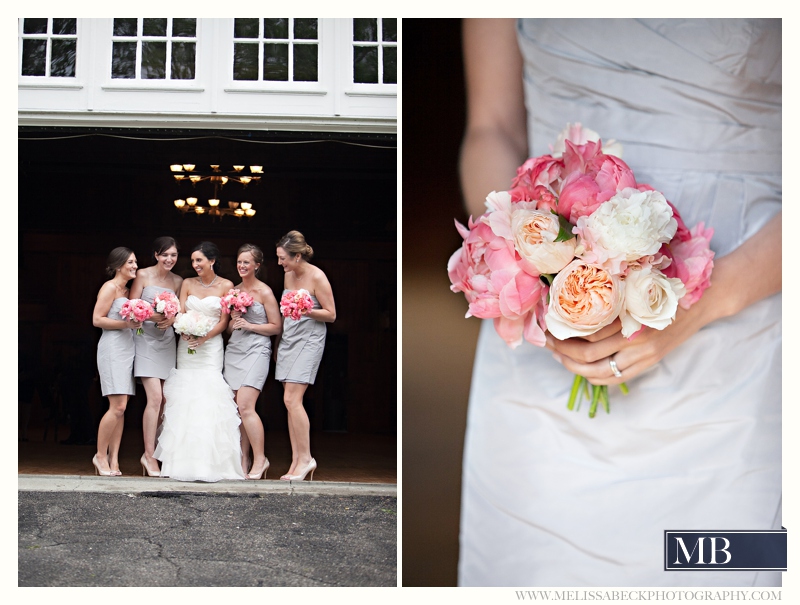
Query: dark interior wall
{"points": [[83, 192], [438, 343]]}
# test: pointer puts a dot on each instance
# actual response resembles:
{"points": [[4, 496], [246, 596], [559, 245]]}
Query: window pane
{"points": [[365, 64], [276, 62], [245, 61], [305, 63], [184, 28], [276, 28], [305, 29], [62, 59], [123, 60], [154, 27], [365, 30], [183, 60], [245, 28], [389, 30], [65, 27], [390, 65], [125, 27], [33, 57], [34, 26], [154, 60]]}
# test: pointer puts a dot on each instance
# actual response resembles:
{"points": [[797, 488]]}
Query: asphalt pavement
{"points": [[92, 531]]}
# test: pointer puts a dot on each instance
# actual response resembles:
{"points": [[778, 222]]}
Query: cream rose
{"points": [[583, 299], [651, 299], [535, 234]]}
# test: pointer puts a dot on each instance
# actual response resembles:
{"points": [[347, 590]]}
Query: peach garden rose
{"points": [[583, 299]]}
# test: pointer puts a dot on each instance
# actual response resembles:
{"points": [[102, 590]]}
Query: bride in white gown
{"points": [[551, 497], [200, 438]]}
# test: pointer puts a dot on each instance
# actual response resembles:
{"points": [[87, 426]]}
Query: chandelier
{"points": [[244, 175]]}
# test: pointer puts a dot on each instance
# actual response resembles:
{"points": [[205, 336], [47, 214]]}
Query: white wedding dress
{"points": [[199, 438], [551, 497]]}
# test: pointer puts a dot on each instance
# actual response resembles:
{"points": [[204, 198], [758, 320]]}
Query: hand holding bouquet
{"points": [[136, 309], [296, 303], [194, 323], [575, 244], [236, 300]]}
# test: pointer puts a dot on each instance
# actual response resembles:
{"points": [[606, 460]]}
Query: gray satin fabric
{"points": [[553, 498], [247, 354], [115, 353], [155, 349], [300, 350]]}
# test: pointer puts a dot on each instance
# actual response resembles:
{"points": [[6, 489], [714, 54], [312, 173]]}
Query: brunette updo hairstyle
{"points": [[162, 244], [209, 250], [116, 259], [258, 255], [294, 243]]}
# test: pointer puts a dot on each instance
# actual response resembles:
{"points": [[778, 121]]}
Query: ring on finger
{"points": [[614, 367]]}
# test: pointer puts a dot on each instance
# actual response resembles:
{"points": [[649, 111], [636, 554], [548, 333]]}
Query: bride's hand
{"points": [[590, 357]]}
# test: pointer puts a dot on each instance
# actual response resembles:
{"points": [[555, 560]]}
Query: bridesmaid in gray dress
{"points": [[115, 353], [248, 352], [301, 344], [155, 349]]}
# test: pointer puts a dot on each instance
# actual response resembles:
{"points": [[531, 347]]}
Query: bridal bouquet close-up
{"points": [[193, 323], [575, 244], [167, 304], [136, 309], [296, 303]]}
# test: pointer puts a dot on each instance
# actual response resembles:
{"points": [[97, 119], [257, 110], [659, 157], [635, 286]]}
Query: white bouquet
{"points": [[194, 324]]}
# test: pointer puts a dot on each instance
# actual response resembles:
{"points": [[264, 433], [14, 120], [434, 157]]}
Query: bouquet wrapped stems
{"points": [[599, 394]]}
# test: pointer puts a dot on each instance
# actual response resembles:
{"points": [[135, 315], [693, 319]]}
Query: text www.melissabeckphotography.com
{"points": [[648, 595]]}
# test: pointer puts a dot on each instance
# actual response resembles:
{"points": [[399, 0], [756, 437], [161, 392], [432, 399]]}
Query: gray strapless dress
{"points": [[115, 353], [553, 498], [247, 353], [155, 349], [300, 350]]}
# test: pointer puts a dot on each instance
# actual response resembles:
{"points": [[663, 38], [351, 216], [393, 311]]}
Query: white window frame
{"points": [[379, 89], [323, 41], [48, 81], [164, 84]]}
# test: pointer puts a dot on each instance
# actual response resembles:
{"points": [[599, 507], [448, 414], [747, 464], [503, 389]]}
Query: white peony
{"points": [[630, 225], [535, 234], [651, 299]]}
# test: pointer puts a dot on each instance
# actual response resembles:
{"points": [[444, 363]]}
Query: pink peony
{"points": [[296, 303], [167, 304], [692, 262], [235, 300], [136, 309]]}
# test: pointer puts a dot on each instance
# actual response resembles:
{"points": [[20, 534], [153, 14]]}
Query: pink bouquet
{"points": [[166, 303], [296, 303], [236, 300], [136, 309], [575, 244], [194, 324]]}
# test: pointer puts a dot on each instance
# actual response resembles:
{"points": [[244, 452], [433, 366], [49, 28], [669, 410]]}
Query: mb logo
{"points": [[716, 545], [729, 550]]}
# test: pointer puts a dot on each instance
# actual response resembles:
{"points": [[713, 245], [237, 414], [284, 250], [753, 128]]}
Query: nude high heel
{"points": [[312, 466], [150, 473], [99, 471], [261, 473]]}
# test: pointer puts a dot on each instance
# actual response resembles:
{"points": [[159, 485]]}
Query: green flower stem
{"points": [[604, 399], [576, 387], [595, 398], [624, 388]]}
